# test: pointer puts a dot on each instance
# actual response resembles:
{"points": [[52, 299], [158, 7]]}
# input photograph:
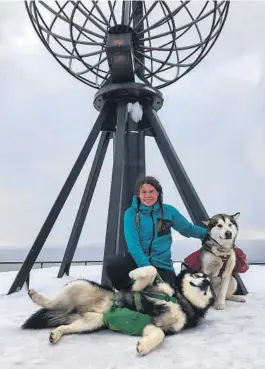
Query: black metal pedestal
{"points": [[128, 165]]}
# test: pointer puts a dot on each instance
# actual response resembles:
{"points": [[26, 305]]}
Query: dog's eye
{"points": [[219, 225], [230, 225], [197, 275]]}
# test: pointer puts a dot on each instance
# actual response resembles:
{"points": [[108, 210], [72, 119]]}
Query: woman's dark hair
{"points": [[152, 181]]}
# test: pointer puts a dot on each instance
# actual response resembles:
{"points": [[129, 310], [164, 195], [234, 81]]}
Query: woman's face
{"points": [[148, 195]]}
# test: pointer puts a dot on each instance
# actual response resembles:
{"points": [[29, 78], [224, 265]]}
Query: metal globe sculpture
{"points": [[168, 38], [128, 51]]}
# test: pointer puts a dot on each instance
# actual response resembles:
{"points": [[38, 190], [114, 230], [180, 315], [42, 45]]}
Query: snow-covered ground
{"points": [[229, 339]]}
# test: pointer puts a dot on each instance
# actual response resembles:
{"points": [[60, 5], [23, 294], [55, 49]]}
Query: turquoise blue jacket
{"points": [[145, 243]]}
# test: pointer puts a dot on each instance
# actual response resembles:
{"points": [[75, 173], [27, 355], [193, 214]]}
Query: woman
{"points": [[147, 230]]}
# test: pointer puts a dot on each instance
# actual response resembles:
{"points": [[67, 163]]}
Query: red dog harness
{"points": [[194, 261]]}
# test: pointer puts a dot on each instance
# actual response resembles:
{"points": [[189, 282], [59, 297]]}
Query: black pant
{"points": [[119, 266]]}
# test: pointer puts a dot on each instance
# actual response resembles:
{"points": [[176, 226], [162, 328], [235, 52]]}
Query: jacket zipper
{"points": [[153, 236]]}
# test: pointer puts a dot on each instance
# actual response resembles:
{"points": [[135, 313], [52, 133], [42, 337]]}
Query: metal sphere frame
{"points": [[164, 52], [133, 66]]}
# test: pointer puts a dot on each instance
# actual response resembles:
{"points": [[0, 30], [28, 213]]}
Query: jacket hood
{"points": [[144, 207]]}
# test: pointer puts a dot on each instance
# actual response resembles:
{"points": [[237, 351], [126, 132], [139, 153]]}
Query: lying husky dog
{"points": [[81, 304], [218, 257]]}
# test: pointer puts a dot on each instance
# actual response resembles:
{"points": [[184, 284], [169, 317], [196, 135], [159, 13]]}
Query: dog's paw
{"points": [[165, 289], [219, 306], [236, 298], [143, 347], [211, 272], [133, 274], [143, 272], [55, 335], [241, 299], [33, 294]]}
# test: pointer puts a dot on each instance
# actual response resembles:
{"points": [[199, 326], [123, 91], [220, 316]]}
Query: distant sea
{"points": [[254, 249]]}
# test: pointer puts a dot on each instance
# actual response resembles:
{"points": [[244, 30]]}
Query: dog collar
{"points": [[160, 296], [216, 241], [223, 257], [208, 248]]}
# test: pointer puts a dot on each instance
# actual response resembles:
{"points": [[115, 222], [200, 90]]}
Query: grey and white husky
{"points": [[80, 305], [218, 257]]}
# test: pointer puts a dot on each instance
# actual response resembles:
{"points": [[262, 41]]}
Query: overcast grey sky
{"points": [[214, 117]]}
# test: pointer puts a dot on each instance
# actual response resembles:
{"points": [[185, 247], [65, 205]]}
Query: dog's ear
{"points": [[187, 268], [236, 216], [206, 222], [183, 266]]}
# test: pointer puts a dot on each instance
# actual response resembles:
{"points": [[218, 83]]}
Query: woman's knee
{"points": [[113, 261], [123, 259], [113, 266], [118, 268]]}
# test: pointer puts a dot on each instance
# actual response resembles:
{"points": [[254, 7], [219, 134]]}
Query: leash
{"points": [[137, 298], [179, 297], [157, 296], [138, 301]]}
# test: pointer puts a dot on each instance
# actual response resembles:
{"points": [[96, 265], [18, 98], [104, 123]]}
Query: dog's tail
{"points": [[44, 318]]}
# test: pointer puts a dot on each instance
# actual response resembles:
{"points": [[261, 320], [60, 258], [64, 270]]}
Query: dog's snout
{"points": [[228, 234]]}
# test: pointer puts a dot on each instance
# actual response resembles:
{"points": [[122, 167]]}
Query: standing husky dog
{"points": [[218, 257], [81, 304]]}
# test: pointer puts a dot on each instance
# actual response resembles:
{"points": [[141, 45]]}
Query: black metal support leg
{"points": [[114, 232], [26, 267], [84, 204], [187, 192], [135, 160], [134, 166]]}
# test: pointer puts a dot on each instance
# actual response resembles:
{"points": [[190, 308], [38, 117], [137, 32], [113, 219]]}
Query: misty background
{"points": [[214, 117]]}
